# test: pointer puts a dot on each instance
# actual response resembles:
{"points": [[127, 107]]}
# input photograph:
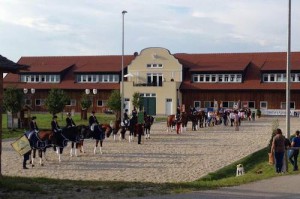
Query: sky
{"points": [[94, 27]]}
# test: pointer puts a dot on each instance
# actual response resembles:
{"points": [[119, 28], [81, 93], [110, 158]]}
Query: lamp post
{"points": [[122, 78]]}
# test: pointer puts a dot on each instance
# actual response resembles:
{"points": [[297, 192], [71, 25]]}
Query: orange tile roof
{"points": [[252, 64]]}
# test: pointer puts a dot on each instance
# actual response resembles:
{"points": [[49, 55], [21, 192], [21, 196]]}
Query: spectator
{"points": [[293, 156], [278, 148]]}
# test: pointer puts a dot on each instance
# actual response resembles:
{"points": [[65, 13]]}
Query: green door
{"points": [[149, 104]]}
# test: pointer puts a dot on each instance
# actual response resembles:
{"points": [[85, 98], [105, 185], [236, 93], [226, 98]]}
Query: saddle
{"points": [[35, 141]]}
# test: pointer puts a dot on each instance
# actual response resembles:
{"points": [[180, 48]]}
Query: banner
{"points": [[21, 145]]}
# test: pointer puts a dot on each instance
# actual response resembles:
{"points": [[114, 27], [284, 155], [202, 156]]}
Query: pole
{"points": [[122, 78], [288, 80], [288, 76]]}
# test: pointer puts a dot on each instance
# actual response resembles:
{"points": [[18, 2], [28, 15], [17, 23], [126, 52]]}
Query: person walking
{"points": [[293, 157], [278, 148]]}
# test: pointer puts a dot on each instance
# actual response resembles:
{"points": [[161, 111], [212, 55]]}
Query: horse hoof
{"points": [[32, 165], [42, 165]]}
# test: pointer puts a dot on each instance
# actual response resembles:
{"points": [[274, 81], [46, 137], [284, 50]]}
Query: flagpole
{"points": [[288, 76]]}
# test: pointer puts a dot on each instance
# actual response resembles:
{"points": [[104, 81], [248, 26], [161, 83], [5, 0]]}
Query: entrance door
{"points": [[149, 104], [168, 106]]}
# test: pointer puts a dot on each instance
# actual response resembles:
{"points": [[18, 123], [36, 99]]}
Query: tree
{"points": [[137, 100], [56, 101], [114, 102], [13, 101], [85, 103]]}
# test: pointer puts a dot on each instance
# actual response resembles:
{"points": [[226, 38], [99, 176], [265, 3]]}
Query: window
{"points": [[251, 104], [217, 78], [208, 104], [283, 105], [101, 103], [71, 102], [197, 104], [225, 104], [263, 105], [39, 102], [154, 79], [195, 78], [265, 78], [154, 65]]}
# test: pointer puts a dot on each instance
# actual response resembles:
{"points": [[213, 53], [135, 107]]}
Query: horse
{"points": [[60, 139], [184, 120], [148, 119], [132, 125], [39, 141], [170, 122], [100, 132]]}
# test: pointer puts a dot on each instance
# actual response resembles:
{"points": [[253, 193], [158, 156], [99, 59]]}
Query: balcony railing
{"points": [[145, 84]]}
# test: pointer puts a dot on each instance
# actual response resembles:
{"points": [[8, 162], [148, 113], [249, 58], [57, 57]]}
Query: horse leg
{"points": [[41, 156], [32, 157], [97, 141], [71, 150], [101, 142]]}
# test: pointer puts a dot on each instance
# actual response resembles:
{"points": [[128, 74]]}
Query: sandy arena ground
{"points": [[166, 157]]}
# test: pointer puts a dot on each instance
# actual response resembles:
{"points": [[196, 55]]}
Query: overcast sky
{"points": [[94, 27]]}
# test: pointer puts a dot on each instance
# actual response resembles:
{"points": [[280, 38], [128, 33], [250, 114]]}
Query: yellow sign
{"points": [[21, 145]]}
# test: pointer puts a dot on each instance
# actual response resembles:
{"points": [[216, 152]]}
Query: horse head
{"points": [[107, 129]]}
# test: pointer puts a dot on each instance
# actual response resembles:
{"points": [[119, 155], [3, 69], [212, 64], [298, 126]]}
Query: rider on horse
{"points": [[126, 118], [69, 121], [33, 129], [93, 121], [54, 125]]}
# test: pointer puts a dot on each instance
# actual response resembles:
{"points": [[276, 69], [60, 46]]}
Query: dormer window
{"points": [[210, 78], [37, 78]]}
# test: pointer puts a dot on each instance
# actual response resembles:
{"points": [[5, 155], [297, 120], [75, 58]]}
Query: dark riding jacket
{"points": [[92, 120], [33, 126], [70, 122], [55, 127]]}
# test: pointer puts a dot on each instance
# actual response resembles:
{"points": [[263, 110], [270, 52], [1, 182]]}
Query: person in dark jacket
{"points": [[33, 126], [69, 121], [54, 125], [93, 120]]}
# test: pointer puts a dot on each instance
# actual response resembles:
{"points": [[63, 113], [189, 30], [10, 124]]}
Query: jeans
{"points": [[279, 161], [293, 158]]}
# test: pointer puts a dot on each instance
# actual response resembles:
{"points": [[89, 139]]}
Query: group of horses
{"points": [[198, 119], [40, 141]]}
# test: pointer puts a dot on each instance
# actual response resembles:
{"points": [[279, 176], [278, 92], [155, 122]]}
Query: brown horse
{"points": [[39, 141], [170, 123]]}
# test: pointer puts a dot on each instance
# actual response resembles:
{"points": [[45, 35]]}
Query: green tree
{"points": [[114, 103], [56, 101], [137, 100], [13, 101], [85, 102]]}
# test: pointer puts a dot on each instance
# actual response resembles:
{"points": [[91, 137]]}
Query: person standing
{"points": [[69, 121], [278, 148], [293, 157]]}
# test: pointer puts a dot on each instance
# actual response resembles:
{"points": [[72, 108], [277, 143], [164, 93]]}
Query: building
{"points": [[165, 80]]}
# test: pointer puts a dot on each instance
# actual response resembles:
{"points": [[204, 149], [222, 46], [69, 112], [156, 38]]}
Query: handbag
{"points": [[271, 158]]}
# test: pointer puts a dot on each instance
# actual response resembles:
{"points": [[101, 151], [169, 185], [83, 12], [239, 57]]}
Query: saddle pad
{"points": [[21, 145]]}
